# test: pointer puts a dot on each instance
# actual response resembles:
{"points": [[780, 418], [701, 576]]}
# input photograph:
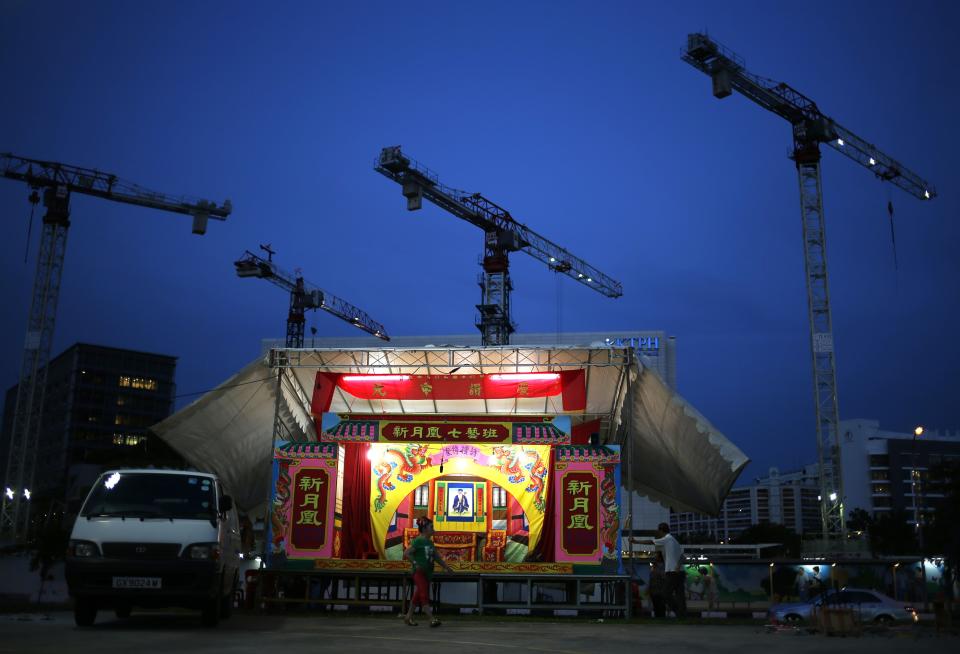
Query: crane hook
{"points": [[893, 236]]}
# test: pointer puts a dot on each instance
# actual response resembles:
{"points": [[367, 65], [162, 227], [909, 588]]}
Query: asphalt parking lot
{"points": [[181, 633]]}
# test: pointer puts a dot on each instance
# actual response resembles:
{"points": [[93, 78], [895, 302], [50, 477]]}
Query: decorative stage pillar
{"points": [[587, 504], [303, 501]]}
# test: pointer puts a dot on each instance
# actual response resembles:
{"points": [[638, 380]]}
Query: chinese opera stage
{"points": [[518, 454]]}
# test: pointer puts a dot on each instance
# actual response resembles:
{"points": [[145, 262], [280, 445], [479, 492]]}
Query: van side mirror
{"points": [[226, 503]]}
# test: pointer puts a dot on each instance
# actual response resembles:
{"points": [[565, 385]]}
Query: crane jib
{"points": [[810, 128]]}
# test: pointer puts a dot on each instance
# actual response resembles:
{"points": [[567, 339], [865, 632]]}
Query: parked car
{"points": [[154, 538], [868, 605]]}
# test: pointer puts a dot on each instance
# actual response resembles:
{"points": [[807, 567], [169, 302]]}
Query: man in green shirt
{"points": [[422, 555]]}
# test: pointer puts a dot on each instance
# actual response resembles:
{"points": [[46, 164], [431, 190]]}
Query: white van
{"points": [[153, 538]]}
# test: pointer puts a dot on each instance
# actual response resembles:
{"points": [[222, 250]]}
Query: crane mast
{"points": [[810, 129], [58, 182], [304, 296], [501, 236]]}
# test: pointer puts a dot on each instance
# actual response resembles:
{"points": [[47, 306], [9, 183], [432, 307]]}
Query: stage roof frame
{"points": [[671, 453]]}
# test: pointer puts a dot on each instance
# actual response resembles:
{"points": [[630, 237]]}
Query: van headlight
{"points": [[83, 549], [202, 552]]}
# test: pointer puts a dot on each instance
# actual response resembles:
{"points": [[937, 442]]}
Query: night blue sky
{"points": [[579, 117]]}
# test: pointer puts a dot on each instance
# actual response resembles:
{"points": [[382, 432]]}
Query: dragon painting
{"points": [[508, 464], [610, 513], [279, 518], [411, 461], [538, 472]]}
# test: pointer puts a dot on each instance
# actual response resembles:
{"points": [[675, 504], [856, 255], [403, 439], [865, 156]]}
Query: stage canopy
{"points": [[671, 453]]}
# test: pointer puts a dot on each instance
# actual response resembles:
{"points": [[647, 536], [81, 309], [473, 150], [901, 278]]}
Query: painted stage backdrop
{"points": [[303, 501], [399, 469]]}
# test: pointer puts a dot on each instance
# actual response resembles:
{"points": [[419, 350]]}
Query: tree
{"points": [[893, 533], [859, 520], [771, 532], [942, 534]]}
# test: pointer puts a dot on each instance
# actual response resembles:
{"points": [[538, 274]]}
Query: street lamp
{"points": [[915, 487], [26, 493], [10, 493]]}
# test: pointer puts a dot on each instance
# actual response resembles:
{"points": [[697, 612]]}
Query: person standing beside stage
{"points": [[422, 554], [658, 582], [709, 588], [801, 583], [675, 592]]}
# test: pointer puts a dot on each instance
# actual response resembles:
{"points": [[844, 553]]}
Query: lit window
{"points": [[499, 497], [421, 496], [140, 383]]}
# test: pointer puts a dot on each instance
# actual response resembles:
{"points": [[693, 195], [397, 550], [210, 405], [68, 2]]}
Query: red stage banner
{"points": [[309, 509], [569, 384], [579, 524], [439, 428], [406, 431]]}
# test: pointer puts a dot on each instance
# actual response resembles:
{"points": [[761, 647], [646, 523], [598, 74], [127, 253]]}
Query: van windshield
{"points": [[146, 495]]}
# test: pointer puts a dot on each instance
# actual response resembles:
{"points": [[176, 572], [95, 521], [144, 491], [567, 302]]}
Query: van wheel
{"points": [[84, 613], [123, 612], [211, 612]]}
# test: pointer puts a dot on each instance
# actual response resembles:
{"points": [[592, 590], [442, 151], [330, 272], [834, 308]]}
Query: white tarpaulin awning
{"points": [[672, 454]]}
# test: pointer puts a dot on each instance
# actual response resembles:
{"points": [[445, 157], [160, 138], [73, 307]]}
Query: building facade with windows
{"points": [[789, 499], [99, 403], [882, 470], [887, 471]]}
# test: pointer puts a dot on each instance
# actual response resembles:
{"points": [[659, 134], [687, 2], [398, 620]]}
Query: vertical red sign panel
{"points": [[579, 513], [308, 528]]}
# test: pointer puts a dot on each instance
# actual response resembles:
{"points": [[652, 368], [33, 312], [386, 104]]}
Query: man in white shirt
{"points": [[675, 591]]}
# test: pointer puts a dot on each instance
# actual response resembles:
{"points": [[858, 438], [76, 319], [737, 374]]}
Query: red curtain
{"points": [[356, 540], [582, 432], [546, 546]]}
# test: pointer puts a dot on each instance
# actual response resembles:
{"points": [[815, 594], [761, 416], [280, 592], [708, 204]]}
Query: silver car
{"points": [[867, 605]]}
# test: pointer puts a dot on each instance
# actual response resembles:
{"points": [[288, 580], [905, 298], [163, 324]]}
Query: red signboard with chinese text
{"points": [[471, 429], [578, 494], [308, 528], [484, 432]]}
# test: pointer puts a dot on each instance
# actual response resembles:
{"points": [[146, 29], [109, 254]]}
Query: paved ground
{"points": [[181, 633]]}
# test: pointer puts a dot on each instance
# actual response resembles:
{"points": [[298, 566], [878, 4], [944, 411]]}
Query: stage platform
{"points": [[473, 586], [471, 567]]}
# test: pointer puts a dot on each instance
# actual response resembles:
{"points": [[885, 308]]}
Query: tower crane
{"points": [[58, 182], [811, 127], [303, 296], [502, 235]]}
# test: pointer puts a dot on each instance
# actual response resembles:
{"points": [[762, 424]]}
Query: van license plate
{"points": [[136, 582]]}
